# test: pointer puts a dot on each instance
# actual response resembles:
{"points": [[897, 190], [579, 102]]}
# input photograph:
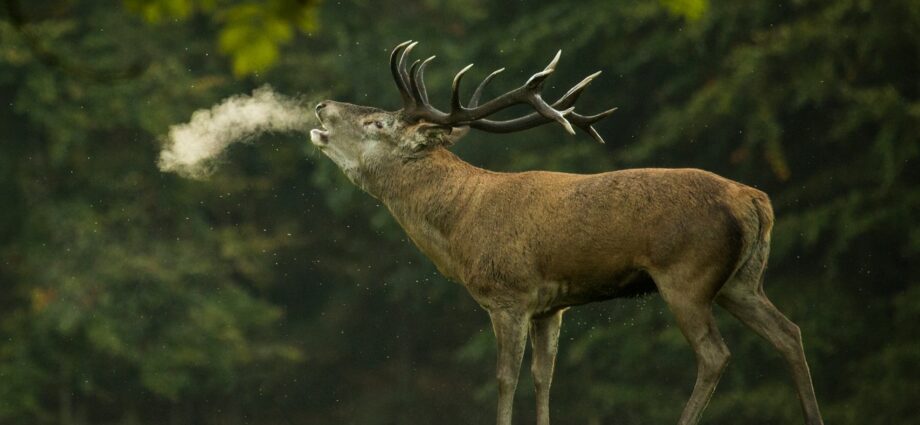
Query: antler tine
{"points": [[474, 100], [597, 117], [571, 96], [586, 123], [413, 84], [455, 105], [397, 73], [554, 62], [419, 78], [402, 68], [536, 81]]}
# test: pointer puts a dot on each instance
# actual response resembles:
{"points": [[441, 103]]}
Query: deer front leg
{"points": [[544, 338], [511, 336]]}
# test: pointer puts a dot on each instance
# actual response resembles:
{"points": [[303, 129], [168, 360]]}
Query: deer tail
{"points": [[757, 226]]}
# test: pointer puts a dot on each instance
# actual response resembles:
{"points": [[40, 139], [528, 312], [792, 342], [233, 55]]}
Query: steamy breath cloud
{"points": [[191, 149]]}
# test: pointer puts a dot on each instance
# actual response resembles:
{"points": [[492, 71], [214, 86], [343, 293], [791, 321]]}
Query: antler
{"points": [[416, 106]]}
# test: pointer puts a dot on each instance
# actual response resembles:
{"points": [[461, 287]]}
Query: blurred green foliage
{"points": [[277, 293], [251, 33]]}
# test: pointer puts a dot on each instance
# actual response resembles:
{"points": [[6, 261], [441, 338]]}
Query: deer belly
{"points": [[625, 284]]}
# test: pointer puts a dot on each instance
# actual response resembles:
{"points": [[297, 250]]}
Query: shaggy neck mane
{"points": [[433, 190]]}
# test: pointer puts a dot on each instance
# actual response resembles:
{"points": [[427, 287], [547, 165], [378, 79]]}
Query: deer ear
{"points": [[457, 133], [431, 135]]}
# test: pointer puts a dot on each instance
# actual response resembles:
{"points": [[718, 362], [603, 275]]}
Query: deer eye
{"points": [[376, 123]]}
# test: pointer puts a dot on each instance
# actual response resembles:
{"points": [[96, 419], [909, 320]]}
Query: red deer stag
{"points": [[527, 246]]}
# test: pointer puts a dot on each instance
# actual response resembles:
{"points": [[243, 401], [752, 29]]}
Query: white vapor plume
{"points": [[191, 149]]}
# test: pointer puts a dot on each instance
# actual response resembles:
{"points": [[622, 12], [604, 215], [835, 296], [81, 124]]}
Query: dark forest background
{"points": [[277, 293]]}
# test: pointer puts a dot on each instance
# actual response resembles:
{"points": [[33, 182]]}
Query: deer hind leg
{"points": [[692, 309], [746, 300], [544, 338]]}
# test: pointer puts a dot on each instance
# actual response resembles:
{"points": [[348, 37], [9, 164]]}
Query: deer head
{"points": [[361, 139]]}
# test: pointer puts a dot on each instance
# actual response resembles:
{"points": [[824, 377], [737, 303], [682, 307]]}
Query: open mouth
{"points": [[319, 136]]}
